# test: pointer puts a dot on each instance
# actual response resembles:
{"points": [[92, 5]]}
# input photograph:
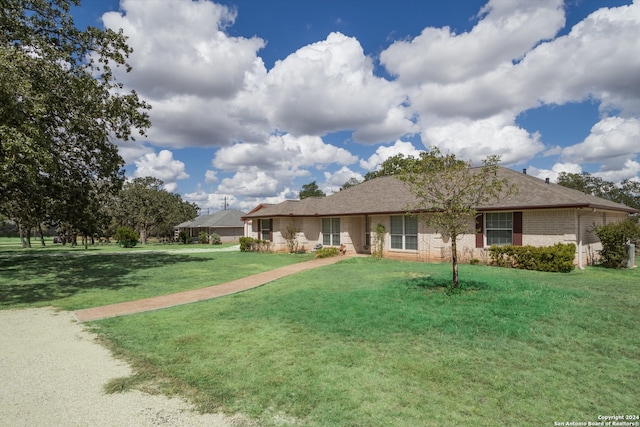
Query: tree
{"points": [[449, 190], [310, 190], [615, 238], [350, 183], [144, 205], [627, 192], [394, 165], [60, 107]]}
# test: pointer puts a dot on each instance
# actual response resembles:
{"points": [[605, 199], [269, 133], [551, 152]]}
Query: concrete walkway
{"points": [[186, 297]]}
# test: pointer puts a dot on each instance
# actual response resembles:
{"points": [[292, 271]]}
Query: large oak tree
{"points": [[61, 110]]}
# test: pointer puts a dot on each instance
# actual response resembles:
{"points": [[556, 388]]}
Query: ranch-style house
{"points": [[541, 214]]}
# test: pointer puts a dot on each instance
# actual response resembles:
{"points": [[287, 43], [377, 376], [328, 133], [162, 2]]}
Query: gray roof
{"points": [[390, 195], [221, 219]]}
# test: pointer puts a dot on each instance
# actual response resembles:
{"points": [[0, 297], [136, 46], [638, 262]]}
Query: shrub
{"points": [[183, 237], [326, 252], [291, 237], [127, 237], [556, 258], [246, 243], [614, 238], [203, 238], [379, 233], [249, 244], [215, 239]]}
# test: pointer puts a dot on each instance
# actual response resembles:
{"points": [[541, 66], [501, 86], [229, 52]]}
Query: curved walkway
{"points": [[186, 297]]}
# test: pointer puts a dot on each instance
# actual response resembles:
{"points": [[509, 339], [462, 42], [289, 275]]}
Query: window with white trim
{"points": [[331, 231], [265, 229], [498, 228], [404, 232]]}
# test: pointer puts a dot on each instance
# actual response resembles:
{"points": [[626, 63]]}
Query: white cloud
{"points": [[598, 59], [555, 170], [330, 86], [507, 30], [268, 168], [181, 48], [251, 182], [475, 140], [282, 152], [162, 166], [612, 142], [384, 152], [335, 180], [210, 176], [629, 170]]}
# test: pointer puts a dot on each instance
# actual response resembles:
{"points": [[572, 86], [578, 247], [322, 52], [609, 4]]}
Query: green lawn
{"points": [[372, 342], [75, 278], [369, 342]]}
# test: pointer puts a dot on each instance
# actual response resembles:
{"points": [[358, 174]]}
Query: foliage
{"points": [[310, 190], [449, 190], [627, 192], [556, 258], [144, 205], [290, 236], [379, 233], [127, 237], [615, 238], [249, 244], [215, 239], [60, 109], [183, 237], [203, 238], [394, 165], [353, 181], [327, 252]]}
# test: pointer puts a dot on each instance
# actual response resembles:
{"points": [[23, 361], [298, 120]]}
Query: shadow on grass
{"points": [[41, 278], [441, 284]]}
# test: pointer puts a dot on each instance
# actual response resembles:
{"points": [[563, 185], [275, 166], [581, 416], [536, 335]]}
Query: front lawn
{"points": [[370, 342], [73, 278]]}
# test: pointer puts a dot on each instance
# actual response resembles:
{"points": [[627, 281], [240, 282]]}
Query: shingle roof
{"points": [[390, 195], [220, 219]]}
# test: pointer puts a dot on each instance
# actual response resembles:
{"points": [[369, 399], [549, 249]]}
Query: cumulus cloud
{"points": [[210, 176], [282, 152], [461, 91], [162, 166], [181, 48], [329, 86], [507, 30], [265, 169], [335, 180], [555, 170], [384, 152], [473, 140]]}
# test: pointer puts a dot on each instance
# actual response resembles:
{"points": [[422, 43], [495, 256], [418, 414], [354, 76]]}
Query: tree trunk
{"points": [[454, 261], [41, 235]]}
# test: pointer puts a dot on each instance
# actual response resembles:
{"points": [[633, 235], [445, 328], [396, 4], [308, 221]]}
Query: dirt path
{"points": [[52, 373]]}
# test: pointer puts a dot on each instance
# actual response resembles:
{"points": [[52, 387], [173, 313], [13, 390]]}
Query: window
{"points": [[404, 232], [499, 228], [331, 231], [265, 229]]}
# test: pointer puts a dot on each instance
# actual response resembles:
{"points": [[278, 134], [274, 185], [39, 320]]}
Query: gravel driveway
{"points": [[52, 372]]}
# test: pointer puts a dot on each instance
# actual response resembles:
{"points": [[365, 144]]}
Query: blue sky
{"points": [[252, 99]]}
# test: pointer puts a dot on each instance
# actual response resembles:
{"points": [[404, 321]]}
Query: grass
{"points": [[375, 343], [73, 279], [367, 342]]}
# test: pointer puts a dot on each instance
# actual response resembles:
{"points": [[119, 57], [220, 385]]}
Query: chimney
{"points": [[546, 180], [524, 171]]}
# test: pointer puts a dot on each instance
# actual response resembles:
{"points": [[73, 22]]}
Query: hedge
{"points": [[556, 258]]}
